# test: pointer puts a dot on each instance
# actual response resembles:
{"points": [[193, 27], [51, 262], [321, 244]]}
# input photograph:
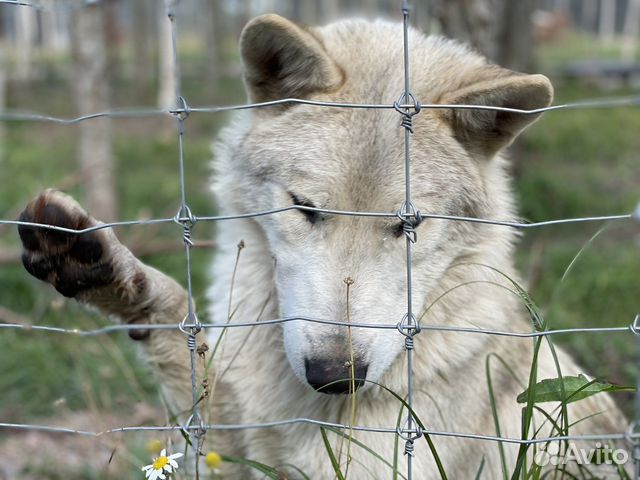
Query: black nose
{"points": [[333, 376]]}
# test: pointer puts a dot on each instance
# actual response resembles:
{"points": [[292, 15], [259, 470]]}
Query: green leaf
{"points": [[575, 388]]}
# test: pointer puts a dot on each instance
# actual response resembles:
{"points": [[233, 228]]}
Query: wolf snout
{"points": [[335, 375]]}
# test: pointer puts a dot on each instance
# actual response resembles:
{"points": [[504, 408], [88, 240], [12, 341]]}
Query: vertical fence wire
{"points": [[407, 211], [634, 427], [190, 325]]}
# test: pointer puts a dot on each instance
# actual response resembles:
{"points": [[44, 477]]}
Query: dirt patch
{"points": [[33, 455]]}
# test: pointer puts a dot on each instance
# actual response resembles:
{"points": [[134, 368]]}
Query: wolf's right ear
{"points": [[284, 60], [485, 132]]}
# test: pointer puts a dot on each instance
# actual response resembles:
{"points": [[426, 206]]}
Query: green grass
{"points": [[579, 162], [574, 164], [572, 47]]}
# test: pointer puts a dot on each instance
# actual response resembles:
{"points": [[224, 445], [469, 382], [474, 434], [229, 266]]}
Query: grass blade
{"points": [[427, 437], [496, 420], [268, 471], [396, 441], [479, 472], [332, 457], [364, 447]]}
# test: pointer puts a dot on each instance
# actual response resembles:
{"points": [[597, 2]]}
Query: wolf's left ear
{"points": [[283, 60], [486, 132]]}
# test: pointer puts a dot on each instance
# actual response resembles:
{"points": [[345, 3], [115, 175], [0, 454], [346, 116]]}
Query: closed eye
{"points": [[311, 216]]}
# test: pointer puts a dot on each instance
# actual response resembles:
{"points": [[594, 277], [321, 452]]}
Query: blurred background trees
{"points": [[91, 92], [136, 32], [500, 29], [115, 42]]}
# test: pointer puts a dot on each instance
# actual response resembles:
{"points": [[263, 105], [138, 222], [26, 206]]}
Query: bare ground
{"points": [[35, 455]]}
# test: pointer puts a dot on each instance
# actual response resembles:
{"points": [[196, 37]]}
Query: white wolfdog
{"points": [[295, 263]]}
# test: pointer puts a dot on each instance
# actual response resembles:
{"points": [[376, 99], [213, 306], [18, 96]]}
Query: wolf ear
{"points": [[284, 60], [486, 132]]}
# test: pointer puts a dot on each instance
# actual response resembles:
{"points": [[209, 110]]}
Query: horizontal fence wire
{"points": [[216, 218], [310, 421], [61, 6], [185, 220], [599, 103], [634, 327]]}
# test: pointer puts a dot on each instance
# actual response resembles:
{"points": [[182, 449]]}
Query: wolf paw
{"points": [[71, 262]]}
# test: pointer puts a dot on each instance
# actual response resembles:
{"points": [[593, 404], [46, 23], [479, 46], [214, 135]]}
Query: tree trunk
{"points": [[607, 27], [214, 34], [113, 37], [54, 38], [141, 34], [516, 38], [167, 65], [25, 38], [631, 24], [91, 86], [589, 15], [499, 29], [3, 101]]}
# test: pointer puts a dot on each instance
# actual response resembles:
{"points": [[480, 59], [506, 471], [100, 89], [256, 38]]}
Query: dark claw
{"points": [[68, 289], [86, 250], [41, 268], [52, 214], [139, 334], [27, 234], [73, 278]]}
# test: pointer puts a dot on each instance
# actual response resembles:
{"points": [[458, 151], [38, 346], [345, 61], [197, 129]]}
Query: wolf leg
{"points": [[97, 270]]}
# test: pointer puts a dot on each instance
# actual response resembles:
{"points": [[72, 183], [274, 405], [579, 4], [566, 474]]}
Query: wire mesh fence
{"points": [[407, 106]]}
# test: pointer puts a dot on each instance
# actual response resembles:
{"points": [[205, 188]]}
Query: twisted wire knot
{"points": [[408, 448], [186, 236], [186, 220], [409, 435], [190, 329], [409, 329], [408, 343], [191, 342], [411, 218], [182, 110], [195, 419], [633, 432], [406, 113], [635, 325]]}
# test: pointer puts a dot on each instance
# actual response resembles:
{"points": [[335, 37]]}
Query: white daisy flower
{"points": [[160, 465]]}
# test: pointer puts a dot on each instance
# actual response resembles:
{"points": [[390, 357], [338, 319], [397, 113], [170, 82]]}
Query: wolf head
{"points": [[351, 268]]}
